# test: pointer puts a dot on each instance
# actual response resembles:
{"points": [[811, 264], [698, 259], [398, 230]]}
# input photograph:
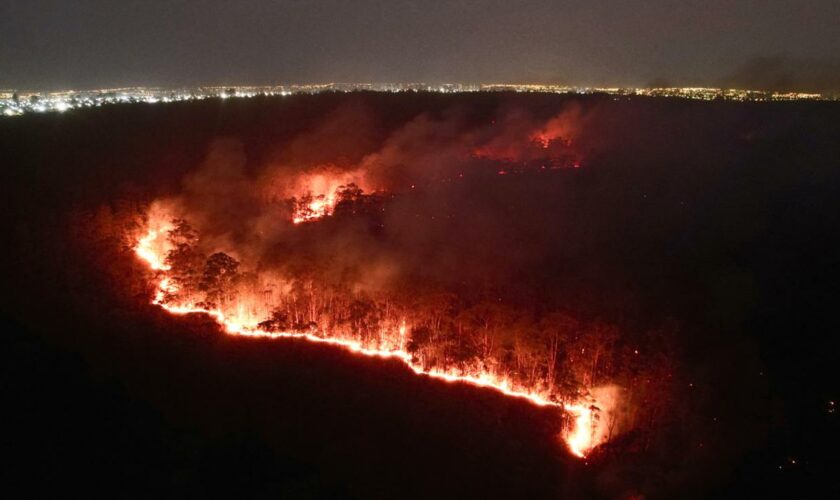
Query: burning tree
{"points": [[219, 280], [391, 293]]}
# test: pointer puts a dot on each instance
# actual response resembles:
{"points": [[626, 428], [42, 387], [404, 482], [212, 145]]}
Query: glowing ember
{"points": [[241, 319]]}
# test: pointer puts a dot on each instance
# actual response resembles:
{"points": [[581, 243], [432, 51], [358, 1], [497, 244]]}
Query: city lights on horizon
{"points": [[15, 103]]}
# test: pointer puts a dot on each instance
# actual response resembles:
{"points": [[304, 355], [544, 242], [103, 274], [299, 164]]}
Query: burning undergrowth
{"points": [[432, 249]]}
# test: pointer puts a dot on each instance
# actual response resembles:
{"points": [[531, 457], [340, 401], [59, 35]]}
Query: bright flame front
{"points": [[152, 247]]}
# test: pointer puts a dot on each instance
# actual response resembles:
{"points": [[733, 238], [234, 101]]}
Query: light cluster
{"points": [[14, 103]]}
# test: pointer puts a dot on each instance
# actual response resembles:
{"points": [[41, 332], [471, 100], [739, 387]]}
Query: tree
{"points": [[182, 232], [421, 344], [219, 277], [590, 352], [556, 329], [185, 260], [486, 319], [348, 198], [303, 207], [277, 322]]}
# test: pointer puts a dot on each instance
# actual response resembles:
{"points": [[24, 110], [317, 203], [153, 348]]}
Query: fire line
{"points": [[579, 440]]}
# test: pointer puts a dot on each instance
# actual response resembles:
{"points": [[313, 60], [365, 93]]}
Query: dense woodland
{"points": [[471, 330], [702, 241]]}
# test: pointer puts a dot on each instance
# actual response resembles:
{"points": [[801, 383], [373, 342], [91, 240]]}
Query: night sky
{"points": [[60, 44]]}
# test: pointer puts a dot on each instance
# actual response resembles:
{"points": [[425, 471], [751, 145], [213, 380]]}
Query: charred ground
{"points": [[715, 217]]}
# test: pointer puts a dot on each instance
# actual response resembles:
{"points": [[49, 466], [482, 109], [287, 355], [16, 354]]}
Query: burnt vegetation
{"points": [[691, 261]]}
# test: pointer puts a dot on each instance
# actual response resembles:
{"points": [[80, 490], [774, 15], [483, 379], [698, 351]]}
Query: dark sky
{"points": [[51, 44]]}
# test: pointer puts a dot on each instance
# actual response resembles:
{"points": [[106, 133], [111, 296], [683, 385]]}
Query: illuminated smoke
{"points": [[589, 427], [300, 246]]}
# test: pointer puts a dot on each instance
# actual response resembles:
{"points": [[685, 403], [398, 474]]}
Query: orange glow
{"points": [[320, 207], [242, 318], [318, 194], [153, 246], [560, 128], [543, 140]]}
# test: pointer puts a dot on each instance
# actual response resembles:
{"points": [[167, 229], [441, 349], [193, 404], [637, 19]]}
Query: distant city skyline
{"points": [[15, 103]]}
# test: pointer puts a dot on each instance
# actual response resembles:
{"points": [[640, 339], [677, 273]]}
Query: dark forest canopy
{"points": [[712, 221]]}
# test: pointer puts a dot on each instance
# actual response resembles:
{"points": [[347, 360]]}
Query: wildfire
{"points": [[315, 208], [321, 194], [145, 251], [543, 140], [152, 247]]}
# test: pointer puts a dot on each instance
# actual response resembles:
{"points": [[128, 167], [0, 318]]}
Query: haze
{"points": [[778, 45]]}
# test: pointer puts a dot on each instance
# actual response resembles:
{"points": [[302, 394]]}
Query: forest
{"points": [[687, 264]]}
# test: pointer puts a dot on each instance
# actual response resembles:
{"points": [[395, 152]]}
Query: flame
{"points": [[321, 206], [544, 140], [151, 248], [584, 435], [320, 193]]}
